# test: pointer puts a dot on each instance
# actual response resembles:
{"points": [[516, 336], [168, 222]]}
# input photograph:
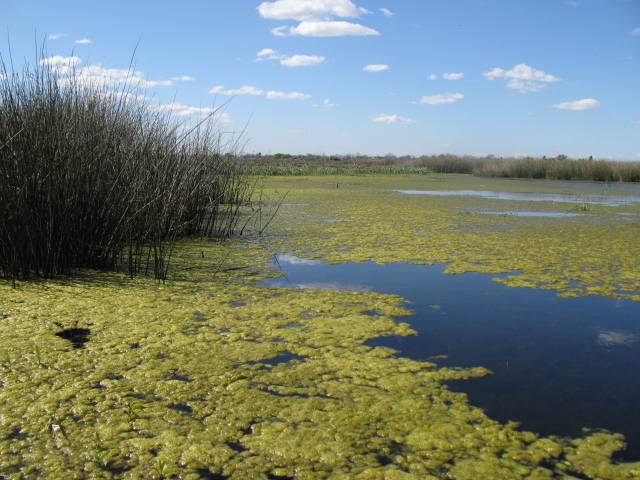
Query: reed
{"points": [[554, 168], [96, 178]]}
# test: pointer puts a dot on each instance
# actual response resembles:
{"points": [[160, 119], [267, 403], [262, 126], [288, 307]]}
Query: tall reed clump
{"points": [[97, 178]]}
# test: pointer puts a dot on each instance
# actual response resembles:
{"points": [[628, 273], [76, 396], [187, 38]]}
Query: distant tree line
{"points": [[560, 167]]}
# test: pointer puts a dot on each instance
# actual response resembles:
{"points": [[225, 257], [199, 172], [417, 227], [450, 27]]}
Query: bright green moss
{"points": [[176, 379]]}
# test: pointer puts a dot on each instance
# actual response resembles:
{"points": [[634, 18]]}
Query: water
{"points": [[601, 199], [559, 364]]}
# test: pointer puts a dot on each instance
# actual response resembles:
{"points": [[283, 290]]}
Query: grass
{"points": [[97, 178]]}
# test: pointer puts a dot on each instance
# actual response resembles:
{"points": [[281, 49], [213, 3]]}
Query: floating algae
{"points": [[595, 253], [121, 406]]}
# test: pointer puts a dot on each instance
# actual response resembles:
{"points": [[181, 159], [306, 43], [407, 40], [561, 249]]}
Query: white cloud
{"points": [[389, 119], [244, 90], [56, 36], [269, 52], [250, 90], [433, 76], [83, 40], [440, 99], [635, 121], [184, 78], [635, 32], [316, 17], [59, 61], [375, 68], [111, 77], [522, 78], [572, 3], [387, 12], [271, 95], [290, 60], [325, 29], [453, 76], [585, 104], [309, 9], [184, 110], [326, 103], [302, 61], [98, 76]]}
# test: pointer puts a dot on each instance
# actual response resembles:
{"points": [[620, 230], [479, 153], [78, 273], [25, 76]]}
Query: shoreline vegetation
{"points": [[99, 178], [560, 167]]}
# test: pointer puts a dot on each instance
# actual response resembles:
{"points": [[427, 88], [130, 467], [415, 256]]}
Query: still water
{"points": [[600, 199], [560, 364]]}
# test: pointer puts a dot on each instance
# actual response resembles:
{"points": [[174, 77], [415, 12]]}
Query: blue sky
{"points": [[477, 77]]}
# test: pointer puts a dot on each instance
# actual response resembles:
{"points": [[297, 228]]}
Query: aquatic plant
{"points": [[97, 178], [239, 380], [332, 407]]}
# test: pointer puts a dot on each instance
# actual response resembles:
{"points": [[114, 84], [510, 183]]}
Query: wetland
{"points": [[366, 334]]}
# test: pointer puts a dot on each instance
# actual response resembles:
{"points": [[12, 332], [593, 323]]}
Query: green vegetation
{"points": [[212, 375], [96, 178], [558, 168]]}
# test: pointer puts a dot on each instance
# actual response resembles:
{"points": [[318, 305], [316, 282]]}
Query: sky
{"points": [[372, 77]]}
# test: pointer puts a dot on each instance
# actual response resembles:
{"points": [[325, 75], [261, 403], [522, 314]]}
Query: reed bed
{"points": [[553, 168], [287, 169], [96, 178]]}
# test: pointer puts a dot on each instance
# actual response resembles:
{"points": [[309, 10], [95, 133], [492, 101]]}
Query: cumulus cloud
{"points": [[56, 36], [390, 119], [181, 110], [327, 103], [305, 9], [60, 61], [522, 78], [453, 76], [387, 12], [635, 32], [375, 68], [83, 40], [302, 61], [244, 90], [325, 29], [433, 76], [250, 90], [271, 95], [290, 60], [96, 75], [268, 53], [184, 78], [584, 104], [440, 99], [316, 17]]}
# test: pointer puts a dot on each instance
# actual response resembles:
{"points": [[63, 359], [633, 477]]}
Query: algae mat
{"points": [[184, 379], [596, 251]]}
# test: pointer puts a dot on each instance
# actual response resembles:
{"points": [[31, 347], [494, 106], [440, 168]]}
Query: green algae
{"points": [[182, 378], [594, 253]]}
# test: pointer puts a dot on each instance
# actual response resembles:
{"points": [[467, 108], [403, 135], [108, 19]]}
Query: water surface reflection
{"points": [[604, 199], [559, 364]]}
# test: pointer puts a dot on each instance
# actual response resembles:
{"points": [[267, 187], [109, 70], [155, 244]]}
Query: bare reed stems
{"points": [[96, 178]]}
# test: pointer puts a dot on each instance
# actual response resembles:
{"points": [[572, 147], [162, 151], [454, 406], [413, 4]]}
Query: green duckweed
{"points": [[211, 373]]}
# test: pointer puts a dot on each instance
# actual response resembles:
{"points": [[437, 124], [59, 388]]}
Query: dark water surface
{"points": [[560, 364]]}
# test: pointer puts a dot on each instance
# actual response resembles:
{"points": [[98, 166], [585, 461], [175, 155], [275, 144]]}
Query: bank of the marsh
{"points": [[211, 374]]}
